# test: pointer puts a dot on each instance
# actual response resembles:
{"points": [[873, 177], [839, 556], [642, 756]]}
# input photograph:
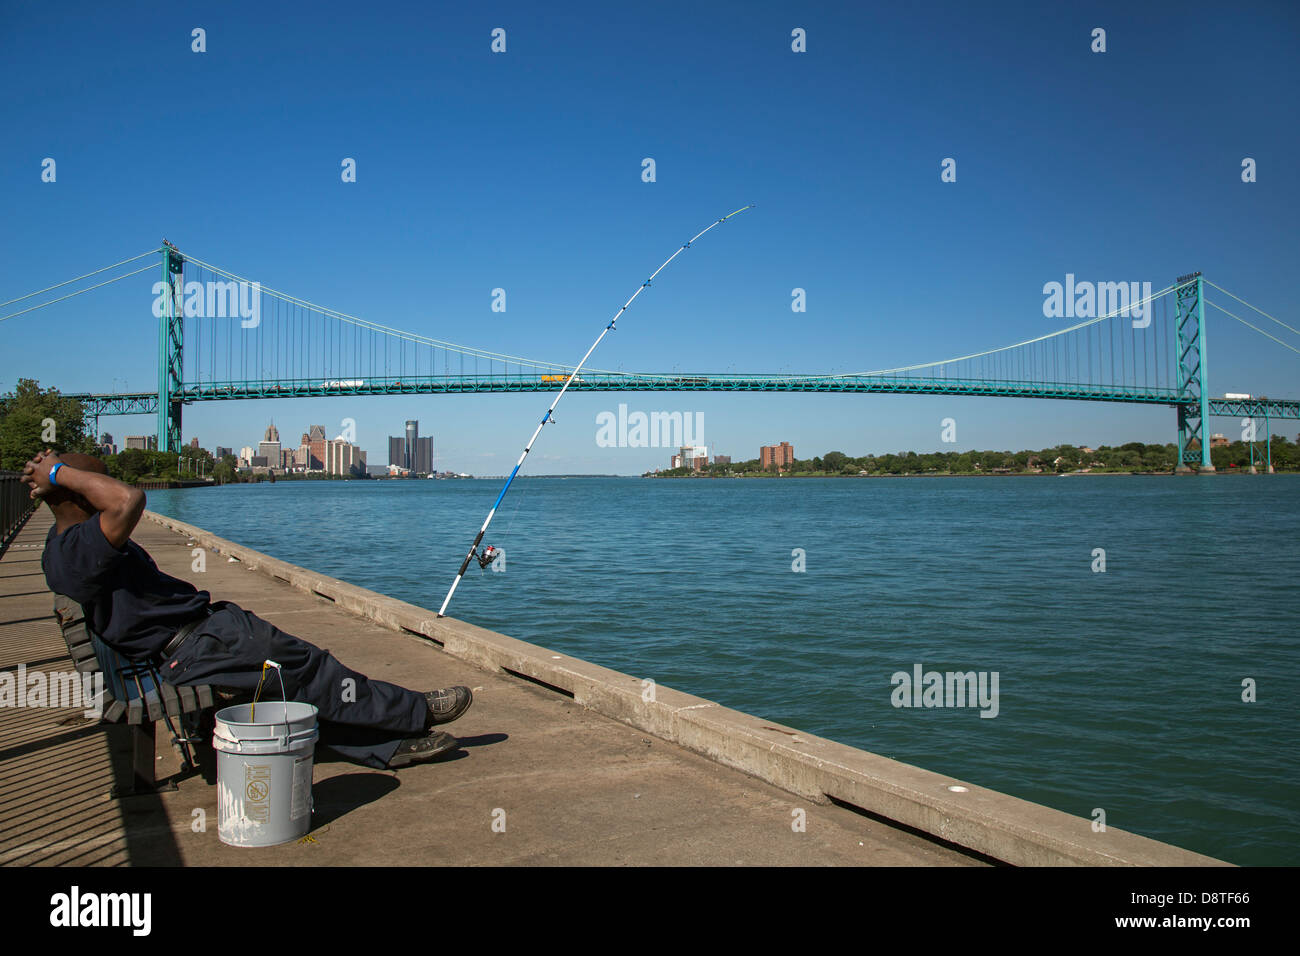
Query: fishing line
{"points": [[546, 419]]}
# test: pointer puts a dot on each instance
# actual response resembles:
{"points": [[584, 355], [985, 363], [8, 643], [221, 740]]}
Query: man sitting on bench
{"points": [[147, 615]]}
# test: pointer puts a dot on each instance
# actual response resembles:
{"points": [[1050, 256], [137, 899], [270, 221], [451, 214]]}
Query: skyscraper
{"points": [[316, 446], [423, 456], [412, 433], [269, 447], [344, 458], [397, 451]]}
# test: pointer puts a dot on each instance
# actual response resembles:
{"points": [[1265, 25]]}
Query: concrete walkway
{"points": [[572, 786]]}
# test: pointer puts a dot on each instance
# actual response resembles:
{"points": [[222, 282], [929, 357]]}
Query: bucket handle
{"points": [[252, 711]]}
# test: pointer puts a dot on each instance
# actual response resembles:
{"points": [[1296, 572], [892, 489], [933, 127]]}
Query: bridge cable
{"points": [[1005, 348], [1256, 328], [1249, 306], [374, 326], [71, 294], [59, 285]]}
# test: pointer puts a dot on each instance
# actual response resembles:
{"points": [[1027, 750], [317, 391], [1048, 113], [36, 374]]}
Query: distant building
{"points": [[412, 433], [246, 455], [676, 461], [722, 459], [258, 461], [423, 462], [269, 448], [411, 453], [694, 456], [1218, 441], [106, 446], [781, 455], [142, 442], [194, 442], [344, 458], [223, 452], [316, 448]]}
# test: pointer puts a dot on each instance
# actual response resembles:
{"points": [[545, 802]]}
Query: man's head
{"points": [[68, 506]]}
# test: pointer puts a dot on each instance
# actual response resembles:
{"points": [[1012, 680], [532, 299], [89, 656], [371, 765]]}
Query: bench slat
{"points": [[132, 689]]}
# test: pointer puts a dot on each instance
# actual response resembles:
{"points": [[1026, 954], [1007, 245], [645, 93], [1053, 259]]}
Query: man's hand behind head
{"points": [[36, 473], [81, 488]]}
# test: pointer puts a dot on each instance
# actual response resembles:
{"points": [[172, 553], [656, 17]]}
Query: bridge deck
{"points": [[146, 403], [577, 788]]}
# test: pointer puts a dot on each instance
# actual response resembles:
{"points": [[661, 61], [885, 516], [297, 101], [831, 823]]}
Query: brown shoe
{"points": [[422, 749], [447, 704]]}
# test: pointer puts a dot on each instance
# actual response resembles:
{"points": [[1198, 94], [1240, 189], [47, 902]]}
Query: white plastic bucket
{"points": [[264, 772]]}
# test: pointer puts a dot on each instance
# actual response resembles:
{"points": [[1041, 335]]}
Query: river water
{"points": [[1119, 690]]}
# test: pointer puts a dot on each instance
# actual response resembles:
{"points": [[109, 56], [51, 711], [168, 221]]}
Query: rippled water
{"points": [[1119, 690]]}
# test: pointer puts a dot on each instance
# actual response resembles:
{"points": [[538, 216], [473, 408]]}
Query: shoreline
{"points": [[1017, 474]]}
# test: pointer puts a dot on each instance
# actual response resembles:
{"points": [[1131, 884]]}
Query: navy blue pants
{"points": [[360, 719]]}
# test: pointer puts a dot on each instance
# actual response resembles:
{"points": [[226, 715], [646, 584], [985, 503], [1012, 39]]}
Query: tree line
{"points": [[1136, 457]]}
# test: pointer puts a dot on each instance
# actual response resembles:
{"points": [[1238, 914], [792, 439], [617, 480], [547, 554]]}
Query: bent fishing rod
{"points": [[547, 419]]}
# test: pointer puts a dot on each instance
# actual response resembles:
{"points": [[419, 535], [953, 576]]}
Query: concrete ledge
{"points": [[999, 826]]}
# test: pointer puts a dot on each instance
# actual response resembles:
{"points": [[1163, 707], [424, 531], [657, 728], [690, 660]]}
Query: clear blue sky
{"points": [[522, 170]]}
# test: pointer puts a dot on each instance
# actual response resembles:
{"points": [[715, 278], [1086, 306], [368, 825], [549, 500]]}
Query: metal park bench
{"points": [[133, 693]]}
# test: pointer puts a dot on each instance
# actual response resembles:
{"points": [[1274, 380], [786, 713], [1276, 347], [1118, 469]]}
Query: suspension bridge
{"points": [[223, 337]]}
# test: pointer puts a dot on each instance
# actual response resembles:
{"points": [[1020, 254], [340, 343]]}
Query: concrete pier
{"points": [[566, 754]]}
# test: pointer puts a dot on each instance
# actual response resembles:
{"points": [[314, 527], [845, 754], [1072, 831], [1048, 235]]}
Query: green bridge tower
{"points": [[1189, 361], [170, 332]]}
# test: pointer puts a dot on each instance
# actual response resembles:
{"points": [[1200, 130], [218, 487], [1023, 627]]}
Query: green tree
{"points": [[226, 470], [195, 462], [129, 464], [32, 419]]}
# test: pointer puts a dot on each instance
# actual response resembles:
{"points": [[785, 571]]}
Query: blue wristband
{"points": [[54, 471]]}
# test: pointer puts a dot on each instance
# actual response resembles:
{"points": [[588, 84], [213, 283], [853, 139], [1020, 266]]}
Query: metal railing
{"points": [[16, 506]]}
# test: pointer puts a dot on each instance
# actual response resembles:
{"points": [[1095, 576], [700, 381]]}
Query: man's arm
{"points": [[119, 505]]}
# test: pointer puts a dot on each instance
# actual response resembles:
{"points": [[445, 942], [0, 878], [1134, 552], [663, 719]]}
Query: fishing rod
{"points": [[547, 419]]}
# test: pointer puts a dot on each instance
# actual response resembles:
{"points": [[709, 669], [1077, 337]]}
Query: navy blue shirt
{"points": [[128, 602]]}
